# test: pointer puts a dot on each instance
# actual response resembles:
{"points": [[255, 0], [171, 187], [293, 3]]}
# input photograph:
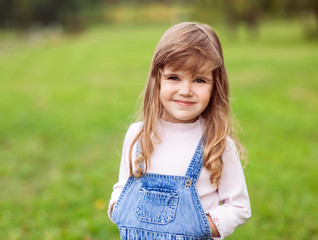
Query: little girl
{"points": [[180, 175]]}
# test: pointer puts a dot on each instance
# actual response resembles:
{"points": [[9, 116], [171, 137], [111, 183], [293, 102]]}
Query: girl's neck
{"points": [[176, 127]]}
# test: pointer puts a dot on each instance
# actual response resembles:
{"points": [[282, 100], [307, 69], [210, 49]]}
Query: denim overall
{"points": [[166, 207]]}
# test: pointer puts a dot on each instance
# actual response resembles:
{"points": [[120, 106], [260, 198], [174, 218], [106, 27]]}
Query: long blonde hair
{"points": [[192, 47]]}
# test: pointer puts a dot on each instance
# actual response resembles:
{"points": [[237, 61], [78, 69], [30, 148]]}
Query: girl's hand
{"points": [[215, 232]]}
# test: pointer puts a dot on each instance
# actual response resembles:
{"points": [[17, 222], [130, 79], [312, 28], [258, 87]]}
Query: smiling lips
{"points": [[184, 103]]}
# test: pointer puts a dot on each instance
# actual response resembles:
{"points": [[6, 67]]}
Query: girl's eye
{"points": [[199, 80], [173, 78]]}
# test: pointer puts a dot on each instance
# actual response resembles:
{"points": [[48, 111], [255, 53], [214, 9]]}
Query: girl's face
{"points": [[184, 96]]}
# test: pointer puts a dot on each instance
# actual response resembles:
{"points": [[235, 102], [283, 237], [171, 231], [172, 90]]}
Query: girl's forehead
{"points": [[172, 70], [193, 63], [191, 66]]}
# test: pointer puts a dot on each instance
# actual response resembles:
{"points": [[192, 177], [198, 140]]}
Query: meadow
{"points": [[67, 100]]}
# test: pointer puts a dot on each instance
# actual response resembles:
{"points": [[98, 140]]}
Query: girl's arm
{"points": [[234, 209], [214, 230], [124, 168]]}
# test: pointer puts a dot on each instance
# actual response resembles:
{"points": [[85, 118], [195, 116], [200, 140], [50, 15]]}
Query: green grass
{"points": [[66, 102]]}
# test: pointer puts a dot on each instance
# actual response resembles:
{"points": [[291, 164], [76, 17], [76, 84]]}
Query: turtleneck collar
{"points": [[180, 127]]}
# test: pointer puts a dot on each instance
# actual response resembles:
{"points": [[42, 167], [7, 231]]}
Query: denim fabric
{"points": [[158, 206]]}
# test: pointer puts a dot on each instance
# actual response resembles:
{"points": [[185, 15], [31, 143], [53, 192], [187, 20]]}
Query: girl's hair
{"points": [[195, 48]]}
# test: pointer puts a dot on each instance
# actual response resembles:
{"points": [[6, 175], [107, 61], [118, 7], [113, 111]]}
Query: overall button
{"points": [[188, 183]]}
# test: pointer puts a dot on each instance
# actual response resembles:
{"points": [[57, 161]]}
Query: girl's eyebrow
{"points": [[205, 78], [170, 74]]}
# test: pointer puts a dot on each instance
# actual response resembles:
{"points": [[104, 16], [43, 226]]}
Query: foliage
{"points": [[23, 13], [251, 13], [74, 15], [66, 102]]}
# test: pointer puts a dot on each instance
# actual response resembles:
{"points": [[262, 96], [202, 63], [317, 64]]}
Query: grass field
{"points": [[66, 102]]}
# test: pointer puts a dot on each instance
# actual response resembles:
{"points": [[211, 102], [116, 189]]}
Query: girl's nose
{"points": [[185, 89]]}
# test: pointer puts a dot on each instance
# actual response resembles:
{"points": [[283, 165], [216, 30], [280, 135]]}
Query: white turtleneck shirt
{"points": [[228, 205]]}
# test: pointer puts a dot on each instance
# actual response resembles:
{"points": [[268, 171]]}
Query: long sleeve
{"points": [[172, 156], [124, 167], [234, 209]]}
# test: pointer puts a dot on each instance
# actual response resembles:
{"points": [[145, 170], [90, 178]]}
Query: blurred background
{"points": [[71, 73]]}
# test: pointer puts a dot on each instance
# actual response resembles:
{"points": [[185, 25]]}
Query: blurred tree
{"points": [[306, 10], [22, 13], [250, 13], [310, 9], [231, 12], [6, 12], [75, 14], [243, 11]]}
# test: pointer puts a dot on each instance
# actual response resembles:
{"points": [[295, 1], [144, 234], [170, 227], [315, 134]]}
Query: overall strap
{"points": [[137, 142], [138, 150], [196, 164]]}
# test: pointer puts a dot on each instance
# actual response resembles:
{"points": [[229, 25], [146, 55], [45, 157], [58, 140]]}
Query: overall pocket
{"points": [[157, 205]]}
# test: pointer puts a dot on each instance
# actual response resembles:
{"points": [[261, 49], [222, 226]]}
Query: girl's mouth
{"points": [[184, 103]]}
